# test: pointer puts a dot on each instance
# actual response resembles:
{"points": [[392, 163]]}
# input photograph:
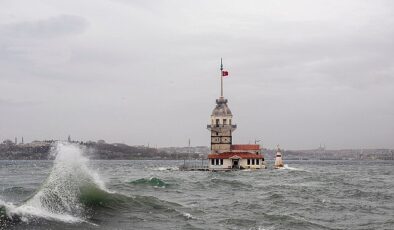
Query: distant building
{"points": [[8, 142], [321, 148], [101, 142], [38, 143]]}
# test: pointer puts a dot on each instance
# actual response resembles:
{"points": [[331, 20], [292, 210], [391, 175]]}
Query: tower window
{"points": [[248, 162], [257, 162], [217, 122], [221, 161], [252, 161], [224, 121], [212, 161]]}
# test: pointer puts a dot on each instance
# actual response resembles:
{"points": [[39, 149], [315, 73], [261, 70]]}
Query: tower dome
{"points": [[221, 109]]}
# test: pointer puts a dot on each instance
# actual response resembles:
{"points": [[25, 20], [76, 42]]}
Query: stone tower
{"points": [[221, 126]]}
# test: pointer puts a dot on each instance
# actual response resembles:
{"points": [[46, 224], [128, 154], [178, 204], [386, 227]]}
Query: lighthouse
{"points": [[224, 155], [278, 159]]}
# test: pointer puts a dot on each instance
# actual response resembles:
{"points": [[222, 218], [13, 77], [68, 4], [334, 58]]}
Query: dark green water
{"points": [[145, 195]]}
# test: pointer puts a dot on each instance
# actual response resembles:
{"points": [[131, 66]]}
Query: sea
{"points": [[73, 192]]}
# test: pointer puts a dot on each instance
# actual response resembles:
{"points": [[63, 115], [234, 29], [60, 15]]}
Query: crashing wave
{"points": [[59, 197], [73, 193]]}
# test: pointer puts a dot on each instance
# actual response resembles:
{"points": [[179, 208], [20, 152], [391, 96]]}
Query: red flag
{"points": [[224, 73]]}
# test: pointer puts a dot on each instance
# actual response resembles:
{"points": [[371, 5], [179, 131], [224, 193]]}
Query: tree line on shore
{"points": [[94, 150]]}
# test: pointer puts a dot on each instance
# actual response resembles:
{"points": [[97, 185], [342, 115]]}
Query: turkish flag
{"points": [[224, 73]]}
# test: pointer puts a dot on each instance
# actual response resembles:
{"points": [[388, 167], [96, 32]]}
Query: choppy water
{"points": [[75, 193]]}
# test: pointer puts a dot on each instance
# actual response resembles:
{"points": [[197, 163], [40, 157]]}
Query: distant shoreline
{"points": [[41, 150]]}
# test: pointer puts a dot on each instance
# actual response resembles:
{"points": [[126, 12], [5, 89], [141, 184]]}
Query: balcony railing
{"points": [[221, 126]]}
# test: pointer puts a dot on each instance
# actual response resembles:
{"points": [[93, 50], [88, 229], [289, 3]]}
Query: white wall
{"points": [[226, 164], [244, 164]]}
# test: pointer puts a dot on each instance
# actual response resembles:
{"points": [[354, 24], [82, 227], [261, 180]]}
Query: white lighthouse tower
{"points": [[278, 158]]}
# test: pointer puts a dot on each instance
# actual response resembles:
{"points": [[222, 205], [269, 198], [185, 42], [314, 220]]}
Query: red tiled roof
{"points": [[235, 155], [245, 147]]}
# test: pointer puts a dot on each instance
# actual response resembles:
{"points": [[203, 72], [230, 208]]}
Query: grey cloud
{"points": [[47, 28], [32, 47]]}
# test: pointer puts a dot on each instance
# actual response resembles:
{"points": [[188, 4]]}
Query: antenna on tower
{"points": [[221, 77], [223, 73]]}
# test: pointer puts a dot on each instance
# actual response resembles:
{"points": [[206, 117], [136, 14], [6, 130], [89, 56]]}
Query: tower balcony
{"points": [[221, 127]]}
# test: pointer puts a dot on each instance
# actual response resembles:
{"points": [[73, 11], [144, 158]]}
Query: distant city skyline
{"points": [[301, 73]]}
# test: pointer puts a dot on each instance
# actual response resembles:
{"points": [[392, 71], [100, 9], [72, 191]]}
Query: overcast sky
{"points": [[301, 73]]}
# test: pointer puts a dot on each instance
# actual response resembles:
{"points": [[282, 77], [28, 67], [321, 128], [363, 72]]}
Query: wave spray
{"points": [[59, 197]]}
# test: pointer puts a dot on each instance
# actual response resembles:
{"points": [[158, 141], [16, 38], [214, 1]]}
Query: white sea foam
{"points": [[187, 215], [286, 166], [26, 212], [174, 168]]}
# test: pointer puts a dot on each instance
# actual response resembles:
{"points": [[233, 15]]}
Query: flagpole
{"points": [[221, 77]]}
